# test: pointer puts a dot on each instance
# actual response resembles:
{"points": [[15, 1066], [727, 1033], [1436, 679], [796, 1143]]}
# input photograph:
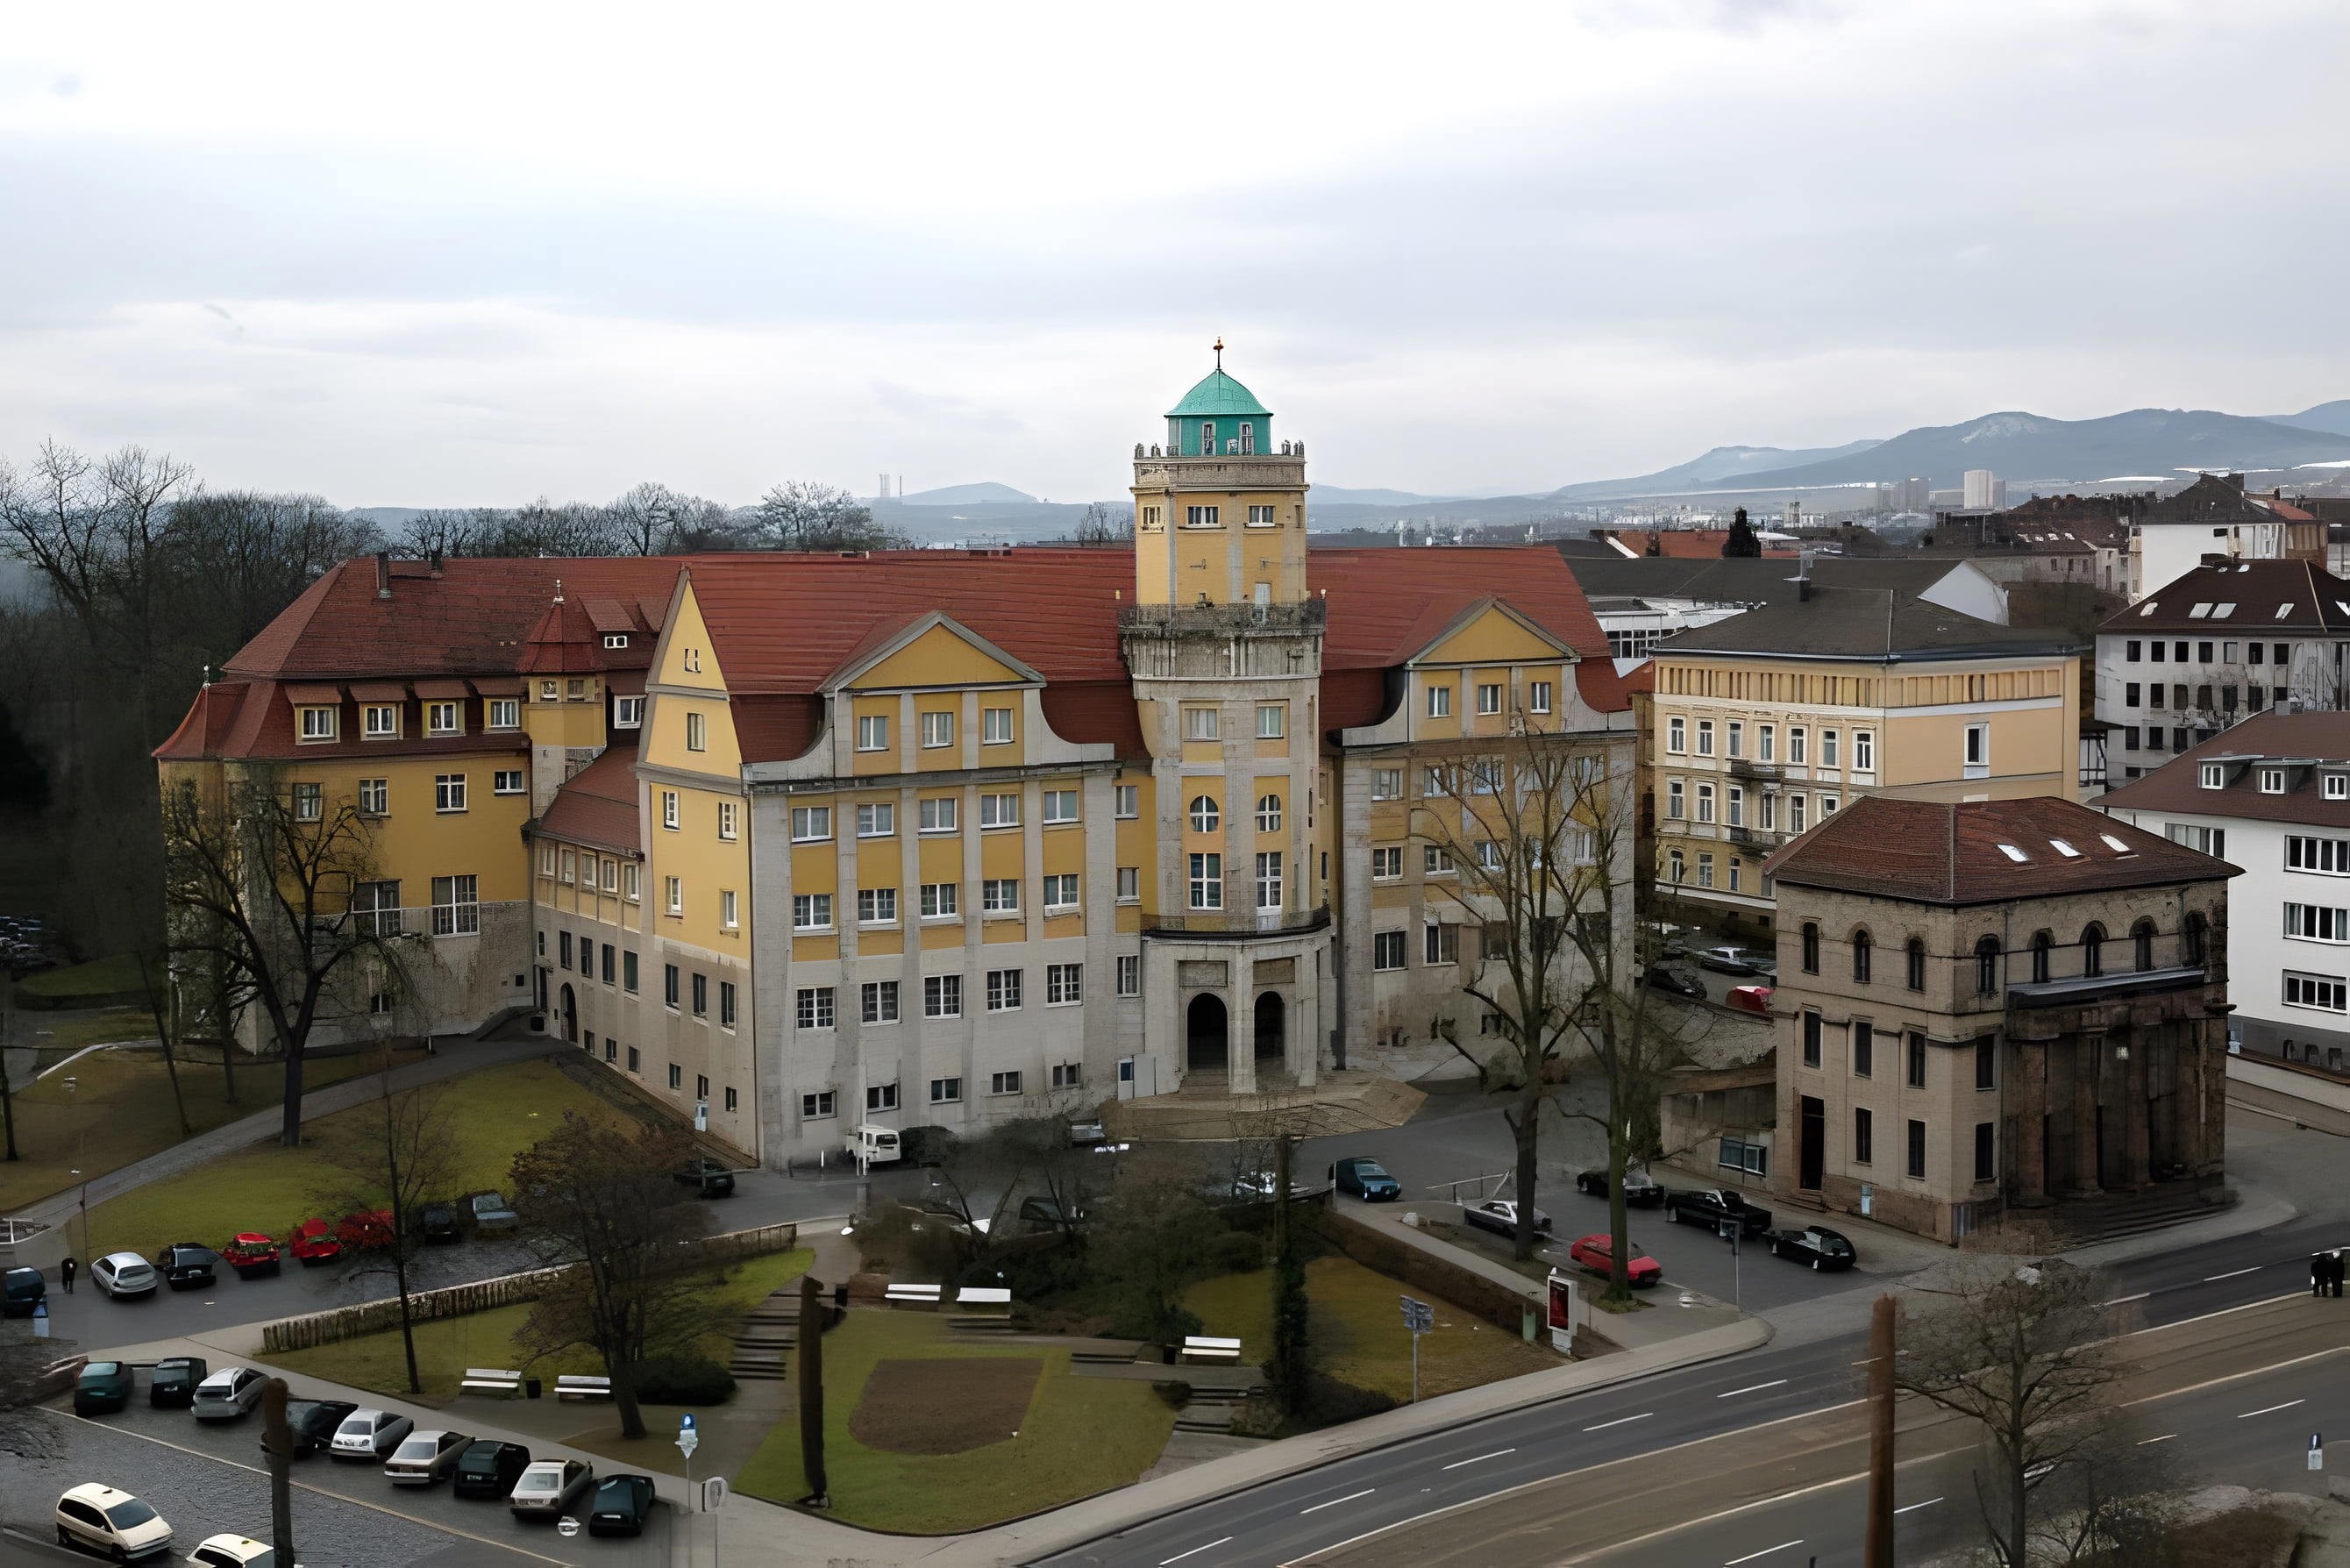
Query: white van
{"points": [[873, 1145]]}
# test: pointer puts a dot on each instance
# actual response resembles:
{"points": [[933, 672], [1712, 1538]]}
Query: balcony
{"points": [[1747, 768], [1233, 925], [1304, 618], [1755, 837]]}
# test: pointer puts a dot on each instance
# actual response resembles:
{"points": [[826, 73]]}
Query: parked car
{"points": [[488, 1469], [546, 1488], [1499, 1215], [172, 1384], [184, 1265], [22, 1291], [227, 1394], [1598, 1253], [1714, 1206], [313, 1423], [366, 1229], [1088, 1133], [1748, 998], [1818, 1245], [1728, 958], [423, 1457], [252, 1254], [1642, 1191], [113, 1524], [234, 1551], [1041, 1214], [1679, 979], [368, 1433], [313, 1243], [621, 1506], [123, 1274], [1258, 1186], [493, 1212], [436, 1222], [101, 1386], [711, 1177], [1365, 1178]]}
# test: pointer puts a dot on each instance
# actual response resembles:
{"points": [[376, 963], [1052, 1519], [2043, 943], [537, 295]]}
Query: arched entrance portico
{"points": [[1206, 1036], [566, 1015], [1272, 1026]]}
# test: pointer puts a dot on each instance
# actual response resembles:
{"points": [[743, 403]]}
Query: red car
{"points": [[253, 1255], [1750, 998], [1597, 1254], [366, 1229], [314, 1242]]}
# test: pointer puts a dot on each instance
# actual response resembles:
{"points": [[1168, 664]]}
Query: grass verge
{"points": [[444, 1349], [1357, 1329], [120, 1112], [1079, 1436], [271, 1188], [115, 976]]}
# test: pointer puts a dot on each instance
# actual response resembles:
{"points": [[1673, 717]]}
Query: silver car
{"points": [[227, 1394], [547, 1487], [369, 1434], [123, 1274], [423, 1457]]}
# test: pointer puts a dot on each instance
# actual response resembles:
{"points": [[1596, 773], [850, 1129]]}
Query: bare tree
{"points": [[264, 880], [2113, 1499], [603, 1199], [801, 514], [1152, 1244], [410, 1155], [1102, 525], [2023, 1350]]}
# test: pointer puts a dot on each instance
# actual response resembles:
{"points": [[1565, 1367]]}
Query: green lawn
{"points": [[1080, 1436], [497, 1113], [1356, 1324], [70, 1031], [115, 976], [444, 1349], [119, 1110]]}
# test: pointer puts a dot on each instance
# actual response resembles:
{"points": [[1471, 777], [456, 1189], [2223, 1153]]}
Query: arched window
{"points": [[1206, 813], [2197, 934], [2093, 948], [1862, 952], [2040, 944], [1916, 955], [1811, 948], [1987, 965], [2142, 945], [1268, 814]]}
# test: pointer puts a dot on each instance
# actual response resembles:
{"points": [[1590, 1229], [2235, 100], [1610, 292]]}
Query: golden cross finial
{"points": [[1220, 352]]}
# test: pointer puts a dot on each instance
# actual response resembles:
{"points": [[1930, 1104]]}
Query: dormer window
{"points": [[2272, 781], [546, 691], [318, 723], [616, 640], [2214, 776], [377, 720], [2337, 786]]}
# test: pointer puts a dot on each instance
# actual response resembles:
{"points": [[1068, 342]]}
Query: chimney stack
{"points": [[383, 574]]}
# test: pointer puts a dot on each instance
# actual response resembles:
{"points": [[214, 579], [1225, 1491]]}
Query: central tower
{"points": [[1220, 509]]}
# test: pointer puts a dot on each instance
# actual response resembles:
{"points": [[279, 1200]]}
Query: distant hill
{"points": [[1722, 465], [967, 495], [1340, 495], [2333, 418], [391, 519]]}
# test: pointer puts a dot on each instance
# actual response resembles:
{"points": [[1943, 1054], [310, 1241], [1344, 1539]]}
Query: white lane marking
{"points": [[2123, 1301], [2164, 1439], [2271, 1410], [1915, 1506], [1193, 1553], [1753, 1388], [1336, 1501], [1766, 1552], [2232, 1273], [1619, 1421], [1481, 1458]]}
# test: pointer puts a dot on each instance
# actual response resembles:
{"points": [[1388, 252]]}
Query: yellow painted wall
{"points": [[415, 843], [687, 656], [1493, 637], [937, 657], [707, 865]]}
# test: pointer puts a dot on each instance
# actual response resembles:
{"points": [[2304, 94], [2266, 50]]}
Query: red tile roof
{"points": [[2304, 738], [598, 805], [1943, 852]]}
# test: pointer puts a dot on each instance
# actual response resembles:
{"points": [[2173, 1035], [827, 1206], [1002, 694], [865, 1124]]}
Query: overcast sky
{"points": [[434, 254]]}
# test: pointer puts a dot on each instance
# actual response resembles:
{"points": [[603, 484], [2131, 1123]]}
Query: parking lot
{"points": [[208, 1477]]}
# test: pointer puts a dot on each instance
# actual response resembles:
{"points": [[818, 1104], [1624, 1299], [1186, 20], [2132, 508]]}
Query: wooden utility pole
{"points": [[812, 1319], [1877, 1544], [277, 1444]]}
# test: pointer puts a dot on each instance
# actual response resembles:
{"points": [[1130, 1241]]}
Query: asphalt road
{"points": [[1304, 1514]]}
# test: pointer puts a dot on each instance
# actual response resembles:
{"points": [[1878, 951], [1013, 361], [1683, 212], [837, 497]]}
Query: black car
{"points": [[1677, 980], [103, 1386], [712, 1178], [436, 1222], [1499, 1215], [22, 1291], [1642, 1191], [621, 1505], [1818, 1245], [489, 1469], [185, 1266], [173, 1383], [1358, 1176], [314, 1423]]}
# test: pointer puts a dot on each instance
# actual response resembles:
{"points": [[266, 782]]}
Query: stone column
{"points": [[2084, 1113], [1239, 1021], [2137, 1168], [2030, 1065]]}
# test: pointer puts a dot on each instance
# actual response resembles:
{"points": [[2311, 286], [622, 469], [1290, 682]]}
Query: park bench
{"points": [[913, 1295], [1204, 1347], [984, 1296], [570, 1385], [490, 1380]]}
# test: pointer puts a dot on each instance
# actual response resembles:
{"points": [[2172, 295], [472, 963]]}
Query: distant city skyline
{"points": [[472, 258]]}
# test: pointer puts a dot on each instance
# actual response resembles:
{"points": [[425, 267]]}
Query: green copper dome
{"points": [[1219, 395]]}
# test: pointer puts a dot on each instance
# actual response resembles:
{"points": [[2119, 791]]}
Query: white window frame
{"points": [[448, 793], [1386, 783], [671, 809], [729, 910], [814, 1007], [996, 727], [938, 728], [1130, 974], [1207, 881], [673, 895], [877, 905], [728, 819], [811, 824], [1059, 805], [938, 814], [999, 896], [506, 780], [873, 732], [444, 717], [1538, 696], [379, 720], [877, 1001], [1061, 891], [375, 797], [505, 712], [1272, 721], [628, 712], [877, 819], [697, 732], [1001, 810], [1065, 984], [1440, 699], [942, 900], [1202, 723], [1004, 1083], [1489, 696], [1129, 884], [1127, 801], [1003, 991], [1206, 813], [942, 996], [1387, 862], [1268, 814], [811, 911]]}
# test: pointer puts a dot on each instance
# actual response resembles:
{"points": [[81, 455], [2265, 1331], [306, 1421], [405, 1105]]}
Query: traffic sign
{"points": [[2316, 1450], [689, 1436], [41, 1318], [1418, 1315]]}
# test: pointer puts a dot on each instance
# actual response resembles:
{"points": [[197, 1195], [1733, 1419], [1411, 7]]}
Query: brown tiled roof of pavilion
{"points": [[2300, 739], [2242, 598], [598, 805], [1983, 852]]}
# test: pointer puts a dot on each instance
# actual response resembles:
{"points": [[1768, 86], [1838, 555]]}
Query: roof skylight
{"points": [[2117, 844], [2065, 849], [2013, 853]]}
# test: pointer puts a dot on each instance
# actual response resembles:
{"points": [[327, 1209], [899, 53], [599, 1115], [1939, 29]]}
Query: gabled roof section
{"points": [[1751, 580], [1386, 606], [598, 805], [886, 641], [1868, 626], [2309, 746], [2242, 598], [1217, 393], [1470, 616], [1983, 852]]}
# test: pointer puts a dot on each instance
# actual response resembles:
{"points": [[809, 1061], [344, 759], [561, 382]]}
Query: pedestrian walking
{"points": [[66, 1274], [2333, 1269]]}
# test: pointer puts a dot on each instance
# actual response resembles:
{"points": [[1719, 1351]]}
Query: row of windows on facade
{"points": [[1677, 870], [617, 968], [1001, 895], [1439, 943], [1678, 795], [1988, 952], [1861, 1061], [2156, 652], [937, 729], [1678, 732], [877, 1001], [1491, 696], [882, 1098], [449, 794], [944, 814], [2222, 698], [1475, 776], [612, 1049], [1578, 847], [1210, 516], [455, 910], [387, 721], [2275, 781]]}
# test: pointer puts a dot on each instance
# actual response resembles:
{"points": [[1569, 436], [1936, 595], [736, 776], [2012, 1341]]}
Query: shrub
{"points": [[686, 1377], [1257, 1417], [1174, 1393], [1236, 1252], [1329, 1402]]}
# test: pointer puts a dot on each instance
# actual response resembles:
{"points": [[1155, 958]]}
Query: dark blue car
{"points": [[1366, 1179]]}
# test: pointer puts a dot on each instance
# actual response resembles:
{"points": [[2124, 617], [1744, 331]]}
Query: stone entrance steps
{"points": [[763, 1344], [2088, 1221]]}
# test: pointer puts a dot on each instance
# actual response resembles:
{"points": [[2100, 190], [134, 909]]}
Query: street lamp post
{"points": [[1729, 1233]]}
